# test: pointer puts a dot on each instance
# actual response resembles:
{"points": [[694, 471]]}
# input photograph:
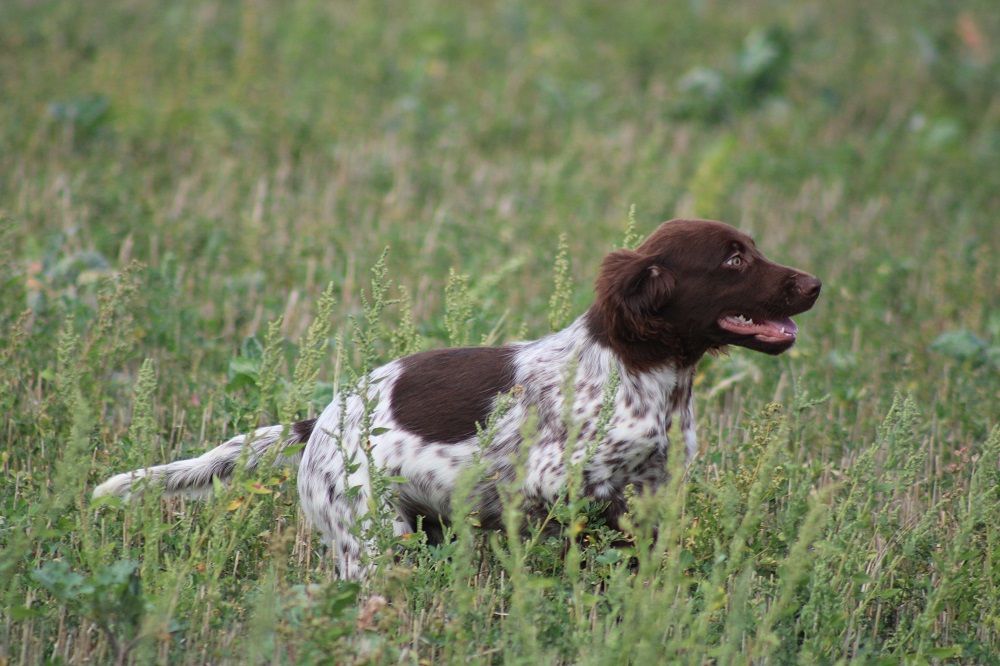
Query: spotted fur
{"points": [[658, 310]]}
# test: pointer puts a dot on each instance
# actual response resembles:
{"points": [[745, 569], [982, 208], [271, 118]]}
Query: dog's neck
{"points": [[667, 350], [664, 387], [595, 357]]}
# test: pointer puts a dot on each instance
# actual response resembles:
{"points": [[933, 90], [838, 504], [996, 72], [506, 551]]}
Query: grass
{"points": [[180, 184]]}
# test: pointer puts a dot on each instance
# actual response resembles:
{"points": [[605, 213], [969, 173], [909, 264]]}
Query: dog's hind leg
{"points": [[335, 487]]}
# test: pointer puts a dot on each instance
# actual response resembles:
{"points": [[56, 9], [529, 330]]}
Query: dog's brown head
{"points": [[695, 286]]}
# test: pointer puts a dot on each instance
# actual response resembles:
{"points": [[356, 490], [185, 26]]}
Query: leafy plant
{"points": [[111, 597]]}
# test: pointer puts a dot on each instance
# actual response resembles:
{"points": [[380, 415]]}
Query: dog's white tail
{"points": [[193, 477]]}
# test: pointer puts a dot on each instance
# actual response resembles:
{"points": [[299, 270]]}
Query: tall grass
{"points": [[192, 202]]}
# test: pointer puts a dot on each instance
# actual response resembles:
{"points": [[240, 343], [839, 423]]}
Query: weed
{"points": [[184, 192]]}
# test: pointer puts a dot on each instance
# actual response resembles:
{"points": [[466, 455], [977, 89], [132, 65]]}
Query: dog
{"points": [[626, 365]]}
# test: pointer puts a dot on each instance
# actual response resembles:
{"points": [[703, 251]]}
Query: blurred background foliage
{"points": [[175, 176]]}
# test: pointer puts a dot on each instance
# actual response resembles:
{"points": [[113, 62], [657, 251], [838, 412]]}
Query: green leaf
{"points": [[61, 582], [241, 365], [610, 556], [18, 613], [961, 345], [945, 652]]}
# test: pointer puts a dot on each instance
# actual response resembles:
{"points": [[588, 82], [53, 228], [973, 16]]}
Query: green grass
{"points": [[180, 182]]}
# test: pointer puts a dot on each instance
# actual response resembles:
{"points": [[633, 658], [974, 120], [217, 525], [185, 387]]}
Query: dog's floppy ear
{"points": [[632, 289]]}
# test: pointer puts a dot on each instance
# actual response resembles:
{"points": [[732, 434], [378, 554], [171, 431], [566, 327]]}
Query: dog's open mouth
{"points": [[782, 330]]}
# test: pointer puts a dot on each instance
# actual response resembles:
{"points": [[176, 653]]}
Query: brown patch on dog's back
{"points": [[441, 395]]}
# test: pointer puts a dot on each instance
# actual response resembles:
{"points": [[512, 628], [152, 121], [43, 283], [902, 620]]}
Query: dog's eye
{"points": [[734, 261]]}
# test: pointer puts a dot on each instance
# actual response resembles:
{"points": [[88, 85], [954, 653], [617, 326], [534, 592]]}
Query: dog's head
{"points": [[695, 286]]}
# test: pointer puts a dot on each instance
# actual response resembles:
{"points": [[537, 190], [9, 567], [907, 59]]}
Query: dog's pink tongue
{"points": [[777, 330], [767, 330]]}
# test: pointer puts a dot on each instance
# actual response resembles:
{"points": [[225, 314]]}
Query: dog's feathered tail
{"points": [[193, 477]]}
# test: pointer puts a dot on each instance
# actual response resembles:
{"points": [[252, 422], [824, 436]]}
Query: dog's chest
{"points": [[635, 447], [618, 439]]}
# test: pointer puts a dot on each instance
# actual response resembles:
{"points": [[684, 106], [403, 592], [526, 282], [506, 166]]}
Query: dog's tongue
{"points": [[766, 330]]}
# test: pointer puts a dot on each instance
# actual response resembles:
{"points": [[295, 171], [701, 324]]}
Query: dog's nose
{"points": [[809, 286]]}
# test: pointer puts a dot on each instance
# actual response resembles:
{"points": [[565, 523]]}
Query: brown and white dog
{"points": [[693, 286]]}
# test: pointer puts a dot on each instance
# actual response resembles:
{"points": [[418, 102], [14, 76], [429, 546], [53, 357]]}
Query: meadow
{"points": [[214, 212]]}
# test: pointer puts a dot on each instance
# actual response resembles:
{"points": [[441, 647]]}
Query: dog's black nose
{"points": [[809, 286]]}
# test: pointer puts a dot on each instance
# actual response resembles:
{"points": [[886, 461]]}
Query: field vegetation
{"points": [[214, 212]]}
